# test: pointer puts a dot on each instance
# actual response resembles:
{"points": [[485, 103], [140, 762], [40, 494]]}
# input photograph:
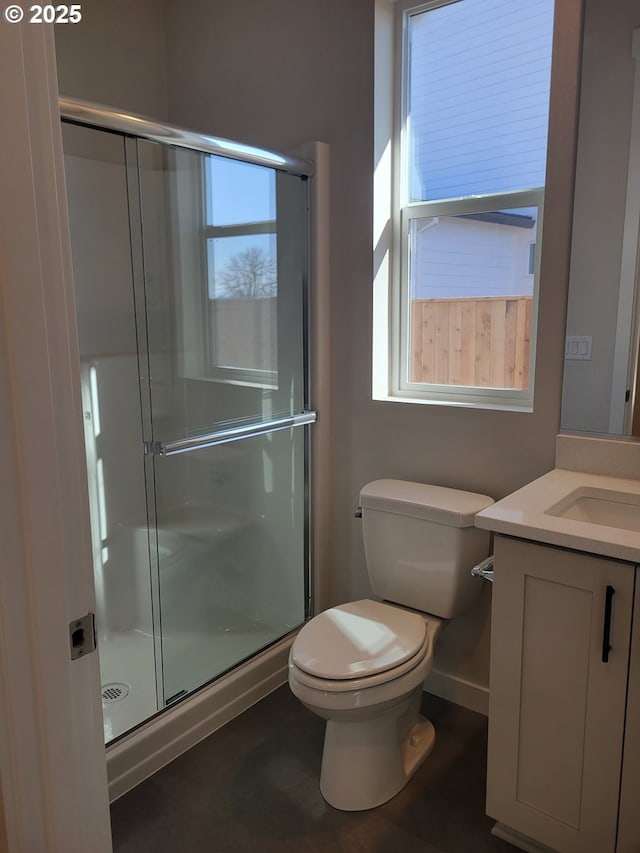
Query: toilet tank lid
{"points": [[452, 507]]}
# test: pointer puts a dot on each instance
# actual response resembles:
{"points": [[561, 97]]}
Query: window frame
{"points": [[188, 191], [391, 324]]}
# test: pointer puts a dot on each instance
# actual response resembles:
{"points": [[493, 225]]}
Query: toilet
{"points": [[361, 666]]}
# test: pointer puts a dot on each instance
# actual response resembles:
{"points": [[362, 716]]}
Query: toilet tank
{"points": [[420, 544]]}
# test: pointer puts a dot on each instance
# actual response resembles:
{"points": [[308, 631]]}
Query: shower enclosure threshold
{"points": [[139, 754], [127, 659]]}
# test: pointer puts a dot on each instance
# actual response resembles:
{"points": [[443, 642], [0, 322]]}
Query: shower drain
{"points": [[116, 691]]}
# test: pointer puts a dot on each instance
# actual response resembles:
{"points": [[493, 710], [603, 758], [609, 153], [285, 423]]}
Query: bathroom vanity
{"points": [[563, 768]]}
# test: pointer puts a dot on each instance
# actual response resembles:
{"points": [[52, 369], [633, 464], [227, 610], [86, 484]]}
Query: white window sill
{"points": [[526, 407]]}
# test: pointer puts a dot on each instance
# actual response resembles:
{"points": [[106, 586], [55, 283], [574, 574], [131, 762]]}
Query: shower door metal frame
{"points": [[90, 114], [132, 128]]}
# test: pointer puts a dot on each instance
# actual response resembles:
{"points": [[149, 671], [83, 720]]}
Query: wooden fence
{"points": [[477, 342]]}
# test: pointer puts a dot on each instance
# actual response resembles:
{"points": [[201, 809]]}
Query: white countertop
{"points": [[523, 514]]}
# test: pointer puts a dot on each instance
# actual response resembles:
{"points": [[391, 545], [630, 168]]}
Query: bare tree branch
{"points": [[250, 273]]}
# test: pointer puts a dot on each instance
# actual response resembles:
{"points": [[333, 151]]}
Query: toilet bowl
{"points": [[368, 687], [361, 666]]}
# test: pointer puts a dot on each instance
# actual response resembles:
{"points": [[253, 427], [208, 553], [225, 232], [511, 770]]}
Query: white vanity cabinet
{"points": [[558, 698]]}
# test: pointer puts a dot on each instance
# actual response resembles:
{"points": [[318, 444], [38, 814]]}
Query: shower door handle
{"points": [[224, 436]]}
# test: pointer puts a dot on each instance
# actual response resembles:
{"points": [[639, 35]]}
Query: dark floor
{"points": [[252, 787]]}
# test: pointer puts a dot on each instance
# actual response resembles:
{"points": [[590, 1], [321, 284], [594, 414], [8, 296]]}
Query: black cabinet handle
{"points": [[606, 632]]}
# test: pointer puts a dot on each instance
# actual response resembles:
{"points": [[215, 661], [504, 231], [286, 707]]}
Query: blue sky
{"points": [[239, 192]]}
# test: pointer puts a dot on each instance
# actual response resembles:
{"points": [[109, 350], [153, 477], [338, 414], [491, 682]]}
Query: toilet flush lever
{"points": [[358, 512], [484, 569]]}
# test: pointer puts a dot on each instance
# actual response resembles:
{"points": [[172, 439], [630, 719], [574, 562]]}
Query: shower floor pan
{"points": [[128, 659]]}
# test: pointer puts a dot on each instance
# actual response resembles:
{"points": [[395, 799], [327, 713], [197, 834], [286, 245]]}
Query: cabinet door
{"points": [[556, 710], [629, 825]]}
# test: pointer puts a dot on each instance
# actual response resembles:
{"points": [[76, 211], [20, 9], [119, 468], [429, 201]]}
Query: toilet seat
{"points": [[354, 695], [354, 685], [358, 639], [359, 645]]}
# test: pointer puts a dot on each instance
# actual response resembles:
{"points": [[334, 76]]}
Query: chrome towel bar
{"points": [[224, 436]]}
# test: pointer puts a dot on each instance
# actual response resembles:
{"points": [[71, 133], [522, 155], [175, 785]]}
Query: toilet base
{"points": [[366, 763]]}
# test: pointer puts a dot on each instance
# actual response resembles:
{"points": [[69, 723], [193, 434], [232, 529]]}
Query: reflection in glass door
{"points": [[230, 545], [190, 275]]}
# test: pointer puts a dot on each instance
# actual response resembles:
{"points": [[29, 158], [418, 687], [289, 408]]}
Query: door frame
{"points": [[52, 759]]}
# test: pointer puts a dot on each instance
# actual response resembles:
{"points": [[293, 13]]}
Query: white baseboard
{"points": [[519, 841], [145, 751], [455, 689]]}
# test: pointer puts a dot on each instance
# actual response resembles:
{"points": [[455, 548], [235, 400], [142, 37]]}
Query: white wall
{"points": [[115, 55], [601, 184]]}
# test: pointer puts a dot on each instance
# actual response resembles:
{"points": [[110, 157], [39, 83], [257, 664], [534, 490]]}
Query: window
{"points": [[231, 248], [468, 161], [242, 266]]}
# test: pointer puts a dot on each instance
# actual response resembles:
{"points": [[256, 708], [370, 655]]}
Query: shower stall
{"points": [[190, 270]]}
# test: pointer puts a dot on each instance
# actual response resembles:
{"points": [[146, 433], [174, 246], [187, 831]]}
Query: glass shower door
{"points": [[222, 315], [98, 190]]}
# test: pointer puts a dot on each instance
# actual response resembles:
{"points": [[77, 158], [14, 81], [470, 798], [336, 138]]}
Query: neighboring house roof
{"points": [[498, 217]]}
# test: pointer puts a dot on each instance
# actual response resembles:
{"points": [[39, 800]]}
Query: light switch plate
{"points": [[578, 347]]}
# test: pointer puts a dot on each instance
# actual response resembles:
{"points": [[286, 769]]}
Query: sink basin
{"points": [[600, 506]]}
